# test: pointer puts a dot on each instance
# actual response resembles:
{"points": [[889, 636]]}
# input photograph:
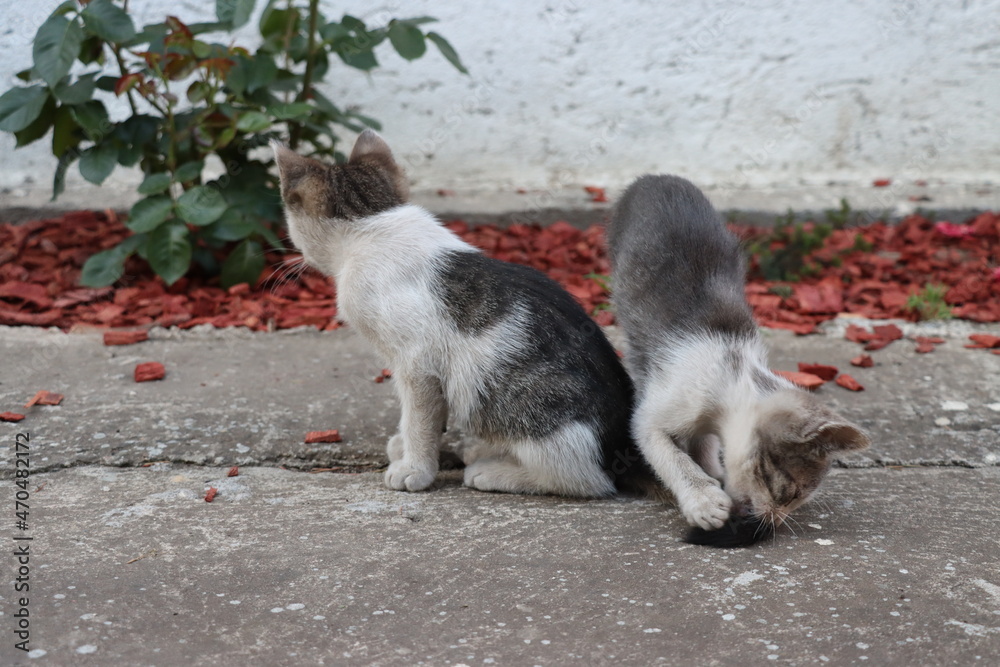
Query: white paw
{"points": [[707, 507], [395, 447], [402, 477], [483, 475]]}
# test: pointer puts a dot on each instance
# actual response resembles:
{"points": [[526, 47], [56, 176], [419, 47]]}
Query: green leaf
{"points": [[149, 213], [234, 12], [108, 21], [97, 162], [253, 121], [290, 111], [19, 107], [418, 20], [93, 118], [104, 268], [77, 93], [274, 23], [169, 251], [154, 184], [447, 51], [57, 44], [198, 91], [189, 171], [243, 265], [39, 126], [201, 205], [234, 225], [65, 8], [64, 132], [355, 57], [407, 40], [59, 179]]}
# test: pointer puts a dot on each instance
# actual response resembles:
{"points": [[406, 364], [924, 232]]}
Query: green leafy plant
{"points": [[194, 102], [929, 303], [786, 253]]}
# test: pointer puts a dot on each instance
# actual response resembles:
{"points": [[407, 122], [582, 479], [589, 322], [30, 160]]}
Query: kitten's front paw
{"points": [[395, 447], [707, 508], [402, 477]]}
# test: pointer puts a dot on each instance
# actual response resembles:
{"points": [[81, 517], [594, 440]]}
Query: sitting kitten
{"points": [[507, 352], [700, 368]]}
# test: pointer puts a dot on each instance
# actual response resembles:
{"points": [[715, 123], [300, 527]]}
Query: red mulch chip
{"points": [[928, 340], [125, 337], [10, 417], [924, 348], [984, 341], [862, 361], [596, 194], [804, 380], [876, 344], [847, 382], [826, 373], [210, 494], [150, 370], [857, 334], [44, 398], [233, 472], [313, 437], [882, 182], [889, 332]]}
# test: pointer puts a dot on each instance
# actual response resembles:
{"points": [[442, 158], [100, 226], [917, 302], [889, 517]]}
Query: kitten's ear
{"points": [[303, 186], [839, 436], [371, 144], [292, 167]]}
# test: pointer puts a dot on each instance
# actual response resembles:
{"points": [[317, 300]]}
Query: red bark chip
{"points": [[876, 344], [10, 417], [985, 340], [847, 382], [928, 340], [882, 182], [825, 373], [862, 361], [313, 437], [924, 348], [597, 194], [857, 334], [233, 472], [804, 380], [149, 370], [44, 398], [386, 373], [889, 332], [379, 379], [125, 337], [210, 494]]}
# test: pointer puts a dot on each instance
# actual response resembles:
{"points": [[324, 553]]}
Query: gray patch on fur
{"points": [[677, 269], [566, 370]]}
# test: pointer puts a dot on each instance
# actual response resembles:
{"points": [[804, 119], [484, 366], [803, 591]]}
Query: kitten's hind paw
{"points": [[707, 509], [402, 477]]}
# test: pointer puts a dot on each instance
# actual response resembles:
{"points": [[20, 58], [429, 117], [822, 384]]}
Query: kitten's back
{"points": [[677, 269]]}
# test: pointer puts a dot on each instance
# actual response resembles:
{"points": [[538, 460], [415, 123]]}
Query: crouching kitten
{"points": [[505, 351], [723, 433]]}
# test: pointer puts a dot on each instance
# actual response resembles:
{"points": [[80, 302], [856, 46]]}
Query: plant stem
{"points": [[121, 68], [306, 91]]}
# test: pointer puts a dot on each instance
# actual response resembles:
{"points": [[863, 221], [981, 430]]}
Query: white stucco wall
{"points": [[567, 92]]}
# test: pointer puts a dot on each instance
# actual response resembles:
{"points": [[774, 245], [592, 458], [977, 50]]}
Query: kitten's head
{"points": [[793, 444], [319, 196]]}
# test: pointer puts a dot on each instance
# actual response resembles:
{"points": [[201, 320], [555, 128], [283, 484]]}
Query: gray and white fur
{"points": [[502, 349], [722, 432]]}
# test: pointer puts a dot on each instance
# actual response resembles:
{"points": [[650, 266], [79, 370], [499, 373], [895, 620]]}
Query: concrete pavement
{"points": [[896, 562]]}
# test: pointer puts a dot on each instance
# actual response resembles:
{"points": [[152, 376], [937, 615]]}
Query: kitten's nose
{"points": [[742, 508]]}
